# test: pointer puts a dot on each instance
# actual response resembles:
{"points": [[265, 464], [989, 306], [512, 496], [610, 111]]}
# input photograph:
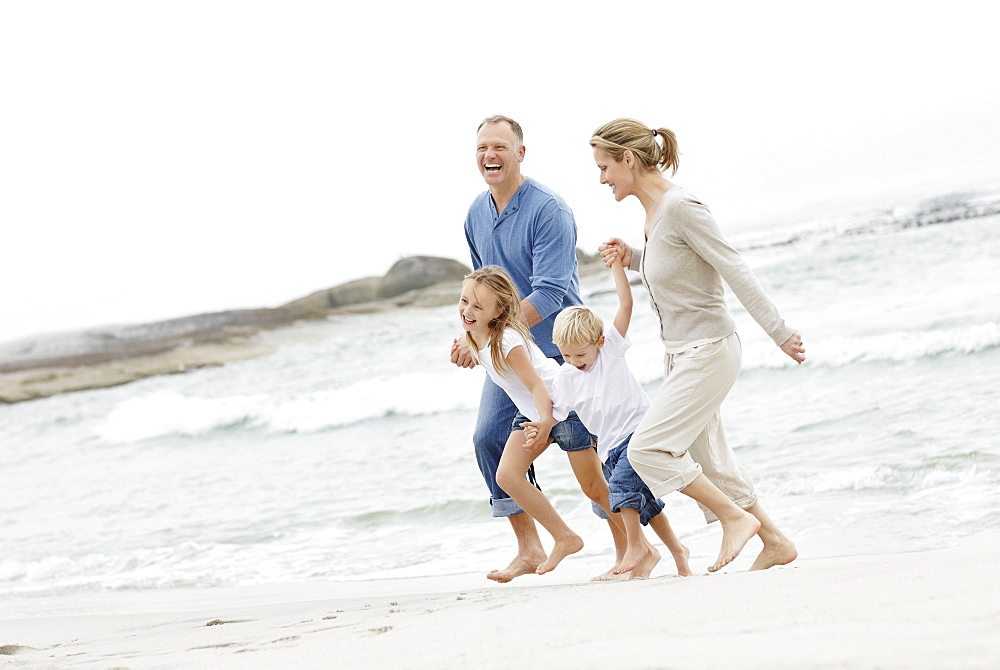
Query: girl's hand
{"points": [[460, 354], [793, 347], [615, 248], [536, 435]]}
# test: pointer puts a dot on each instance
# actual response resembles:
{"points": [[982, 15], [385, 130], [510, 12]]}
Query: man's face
{"points": [[498, 155]]}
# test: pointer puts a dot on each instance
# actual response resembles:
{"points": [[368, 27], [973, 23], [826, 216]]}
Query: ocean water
{"points": [[342, 463]]}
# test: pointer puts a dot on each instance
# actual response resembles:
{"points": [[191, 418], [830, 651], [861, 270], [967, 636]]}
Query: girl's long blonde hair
{"points": [[496, 280]]}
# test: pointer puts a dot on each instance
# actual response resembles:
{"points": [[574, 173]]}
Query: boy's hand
{"points": [[616, 261], [615, 248], [537, 435]]}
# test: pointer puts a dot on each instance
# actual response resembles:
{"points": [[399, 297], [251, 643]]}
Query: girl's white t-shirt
{"points": [[518, 392], [607, 397]]}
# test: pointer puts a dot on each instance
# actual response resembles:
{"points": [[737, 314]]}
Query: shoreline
{"points": [[112, 356], [928, 609]]}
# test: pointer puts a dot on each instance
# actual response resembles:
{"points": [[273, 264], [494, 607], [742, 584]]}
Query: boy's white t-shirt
{"points": [[607, 397], [518, 392]]}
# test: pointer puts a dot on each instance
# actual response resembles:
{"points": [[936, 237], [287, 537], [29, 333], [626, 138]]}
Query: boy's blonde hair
{"points": [[496, 280], [577, 326]]}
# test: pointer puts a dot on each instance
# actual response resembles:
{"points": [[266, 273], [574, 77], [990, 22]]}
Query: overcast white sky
{"points": [[161, 159]]}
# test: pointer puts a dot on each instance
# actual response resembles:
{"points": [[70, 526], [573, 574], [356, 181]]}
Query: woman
{"points": [[680, 444]]}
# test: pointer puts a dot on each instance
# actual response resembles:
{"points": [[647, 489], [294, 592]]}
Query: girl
{"points": [[490, 309]]}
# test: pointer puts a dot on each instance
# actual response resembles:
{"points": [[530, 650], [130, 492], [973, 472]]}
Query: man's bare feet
{"points": [[519, 566], [735, 534], [780, 552], [561, 549]]}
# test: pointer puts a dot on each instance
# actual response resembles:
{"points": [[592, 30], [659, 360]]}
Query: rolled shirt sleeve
{"points": [[554, 264]]}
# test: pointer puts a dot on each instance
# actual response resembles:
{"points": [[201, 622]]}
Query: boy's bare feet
{"points": [[521, 565], [645, 566], [775, 552], [561, 549], [735, 534], [681, 561], [634, 555]]}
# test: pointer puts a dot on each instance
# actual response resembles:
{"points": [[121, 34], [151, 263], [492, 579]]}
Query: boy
{"points": [[597, 382]]}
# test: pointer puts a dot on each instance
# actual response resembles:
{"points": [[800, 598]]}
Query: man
{"points": [[530, 232]]}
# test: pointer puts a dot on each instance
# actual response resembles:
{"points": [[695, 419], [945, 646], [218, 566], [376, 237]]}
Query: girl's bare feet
{"points": [[561, 549], [609, 576]]}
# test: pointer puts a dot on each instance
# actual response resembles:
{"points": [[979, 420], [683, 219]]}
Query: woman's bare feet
{"points": [[561, 549], [521, 565], [775, 552], [735, 534]]}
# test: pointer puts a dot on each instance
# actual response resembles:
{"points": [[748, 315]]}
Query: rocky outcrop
{"points": [[415, 272], [351, 293], [101, 357]]}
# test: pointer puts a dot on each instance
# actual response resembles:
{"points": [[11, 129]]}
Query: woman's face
{"points": [[614, 173]]}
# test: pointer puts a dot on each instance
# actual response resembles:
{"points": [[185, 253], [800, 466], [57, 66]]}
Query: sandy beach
{"points": [[933, 609]]}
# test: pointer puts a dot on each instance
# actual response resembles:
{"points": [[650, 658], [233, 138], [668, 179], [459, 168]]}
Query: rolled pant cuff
{"points": [[599, 511], [677, 482], [505, 507]]}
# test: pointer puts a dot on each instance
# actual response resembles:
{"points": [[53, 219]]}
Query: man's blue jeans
{"points": [[496, 411]]}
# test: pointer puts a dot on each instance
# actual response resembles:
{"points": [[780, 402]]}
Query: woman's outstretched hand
{"points": [[612, 248], [793, 347]]}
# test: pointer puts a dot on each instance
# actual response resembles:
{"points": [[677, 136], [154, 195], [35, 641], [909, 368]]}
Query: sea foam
{"points": [[171, 413]]}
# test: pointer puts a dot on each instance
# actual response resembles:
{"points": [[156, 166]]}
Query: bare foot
{"points": [[519, 566], [681, 561], [735, 534], [780, 552], [608, 576], [645, 566], [634, 555], [560, 550]]}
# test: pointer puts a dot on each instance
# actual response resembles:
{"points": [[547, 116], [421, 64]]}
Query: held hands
{"points": [[793, 347], [613, 249], [537, 435], [460, 354]]}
